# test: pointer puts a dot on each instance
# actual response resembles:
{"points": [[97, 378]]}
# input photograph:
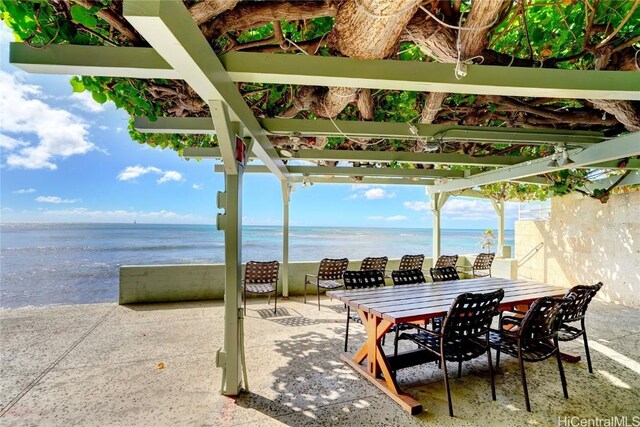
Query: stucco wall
{"points": [[158, 283], [585, 242]]}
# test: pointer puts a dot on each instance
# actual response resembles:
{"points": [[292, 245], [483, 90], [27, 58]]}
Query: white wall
{"points": [[585, 242], [158, 283]]}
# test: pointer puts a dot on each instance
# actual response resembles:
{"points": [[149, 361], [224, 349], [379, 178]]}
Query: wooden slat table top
{"points": [[406, 303]]}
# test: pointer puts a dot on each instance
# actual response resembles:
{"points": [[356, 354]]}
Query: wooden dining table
{"points": [[381, 308]]}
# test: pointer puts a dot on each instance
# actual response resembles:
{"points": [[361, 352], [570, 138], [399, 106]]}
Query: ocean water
{"points": [[48, 264]]}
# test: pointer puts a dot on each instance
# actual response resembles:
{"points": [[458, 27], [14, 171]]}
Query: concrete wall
{"points": [[158, 283], [585, 242]]}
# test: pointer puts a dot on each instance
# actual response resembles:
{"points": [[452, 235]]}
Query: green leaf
{"points": [[99, 97], [76, 84], [82, 16]]}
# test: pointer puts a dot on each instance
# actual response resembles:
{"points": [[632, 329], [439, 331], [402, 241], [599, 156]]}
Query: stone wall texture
{"points": [[585, 242]]}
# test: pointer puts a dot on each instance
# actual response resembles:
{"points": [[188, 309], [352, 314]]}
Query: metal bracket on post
{"points": [[221, 218]]}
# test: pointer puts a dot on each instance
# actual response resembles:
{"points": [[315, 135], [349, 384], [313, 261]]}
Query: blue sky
{"points": [[65, 158]]}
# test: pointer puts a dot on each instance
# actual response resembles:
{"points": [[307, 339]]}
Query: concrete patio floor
{"points": [[98, 365]]}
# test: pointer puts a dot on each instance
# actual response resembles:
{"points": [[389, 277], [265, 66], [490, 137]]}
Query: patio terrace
{"points": [[98, 365]]}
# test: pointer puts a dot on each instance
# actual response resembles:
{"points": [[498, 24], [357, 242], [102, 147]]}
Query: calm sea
{"points": [[46, 264]]}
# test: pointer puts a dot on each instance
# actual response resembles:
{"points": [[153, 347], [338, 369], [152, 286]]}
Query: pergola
{"points": [[180, 51]]}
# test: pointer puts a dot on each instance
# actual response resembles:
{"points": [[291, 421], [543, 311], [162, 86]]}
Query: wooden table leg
{"points": [[377, 363]]}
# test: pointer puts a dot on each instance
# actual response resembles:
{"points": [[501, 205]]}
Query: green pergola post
{"points": [[286, 197], [437, 202], [498, 205]]}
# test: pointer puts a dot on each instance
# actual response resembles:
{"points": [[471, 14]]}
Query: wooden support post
{"points": [[437, 202], [498, 206], [286, 196]]}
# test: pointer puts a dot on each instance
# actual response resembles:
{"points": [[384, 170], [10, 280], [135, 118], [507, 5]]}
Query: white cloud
{"points": [[397, 218], [59, 133], [84, 101], [417, 205], [389, 218], [370, 193], [133, 172], [24, 191], [8, 143], [121, 215], [197, 186], [54, 199], [469, 210], [170, 176], [102, 127]]}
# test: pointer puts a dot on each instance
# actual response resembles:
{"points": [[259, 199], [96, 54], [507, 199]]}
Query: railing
{"points": [[534, 211]]}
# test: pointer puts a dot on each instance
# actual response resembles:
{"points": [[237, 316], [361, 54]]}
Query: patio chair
{"points": [[443, 274], [533, 338], [399, 278], [372, 278], [575, 311], [407, 277], [261, 278], [464, 335], [446, 261], [411, 262], [371, 263], [482, 265], [329, 274]]}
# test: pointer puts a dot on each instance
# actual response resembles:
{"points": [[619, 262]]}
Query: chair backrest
{"points": [[582, 296], [363, 279], [371, 263], [411, 262], [443, 274], [543, 319], [332, 269], [407, 277], [471, 314], [446, 261], [483, 261], [261, 272]]}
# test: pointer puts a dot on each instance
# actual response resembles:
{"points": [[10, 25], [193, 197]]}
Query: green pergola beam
{"points": [[169, 28], [633, 164], [489, 135], [618, 148], [631, 179], [364, 129], [359, 171], [365, 180], [338, 71]]}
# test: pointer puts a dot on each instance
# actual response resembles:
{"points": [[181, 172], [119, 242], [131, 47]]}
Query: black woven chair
{"points": [[360, 280], [446, 261], [261, 278], [575, 311], [533, 338], [329, 274], [411, 262], [399, 278], [371, 263], [464, 335], [407, 277], [482, 265], [443, 274]]}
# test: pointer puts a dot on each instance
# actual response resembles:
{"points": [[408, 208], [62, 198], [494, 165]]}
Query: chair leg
{"points": [[305, 290], [318, 289], [244, 301], [586, 347], [275, 300], [395, 340], [562, 378], [346, 334], [460, 369], [446, 383], [497, 358], [491, 373], [524, 381]]}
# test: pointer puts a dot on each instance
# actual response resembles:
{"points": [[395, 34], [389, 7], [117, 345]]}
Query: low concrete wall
{"points": [[190, 282], [585, 242]]}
